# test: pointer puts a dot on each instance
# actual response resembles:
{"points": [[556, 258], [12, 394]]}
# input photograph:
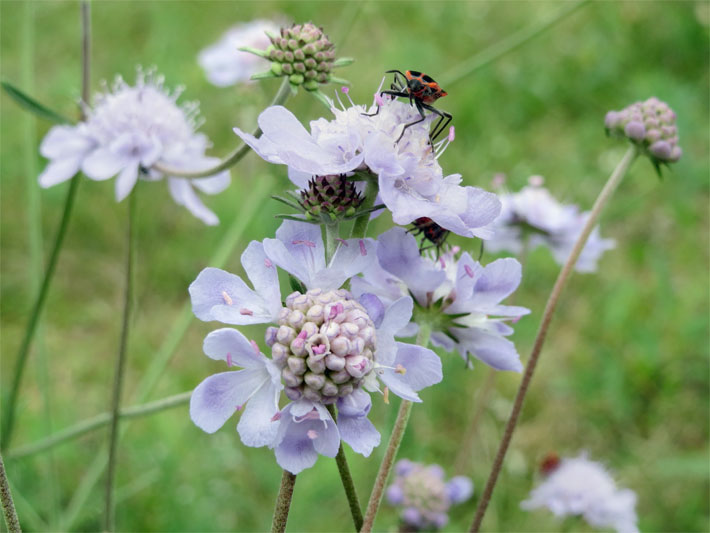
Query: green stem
{"points": [[8, 506], [360, 226], [332, 233], [283, 502], [347, 479], [120, 366], [512, 42], [235, 156], [96, 422], [400, 425], [602, 199], [167, 349]]}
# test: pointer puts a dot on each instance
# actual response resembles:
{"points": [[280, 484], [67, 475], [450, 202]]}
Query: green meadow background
{"points": [[624, 374]]}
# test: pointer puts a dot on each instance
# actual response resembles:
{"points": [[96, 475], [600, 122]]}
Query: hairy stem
{"points": [[347, 479], [510, 43], [8, 506], [235, 156], [400, 425], [96, 422], [283, 502], [119, 372], [614, 180], [11, 401]]}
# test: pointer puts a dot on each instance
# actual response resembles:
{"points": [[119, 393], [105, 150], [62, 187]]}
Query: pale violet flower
{"points": [[532, 217], [127, 131], [457, 296], [225, 65], [411, 182], [326, 347], [581, 487], [424, 496]]}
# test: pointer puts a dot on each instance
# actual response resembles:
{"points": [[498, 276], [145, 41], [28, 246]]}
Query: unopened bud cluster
{"points": [[325, 345], [330, 197], [303, 53], [422, 492], [651, 125]]}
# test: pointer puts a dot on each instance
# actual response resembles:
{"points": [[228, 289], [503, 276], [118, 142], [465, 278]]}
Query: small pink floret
{"points": [[320, 349], [363, 250], [245, 311], [303, 334], [469, 271]]}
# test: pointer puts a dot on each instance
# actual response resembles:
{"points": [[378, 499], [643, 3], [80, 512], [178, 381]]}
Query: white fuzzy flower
{"points": [[580, 487], [129, 129], [225, 65], [532, 217]]}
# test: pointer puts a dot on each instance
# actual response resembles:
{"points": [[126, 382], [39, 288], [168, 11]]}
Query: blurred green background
{"points": [[624, 374]]}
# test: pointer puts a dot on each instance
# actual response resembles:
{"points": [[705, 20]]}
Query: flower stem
{"points": [[11, 402], [332, 233], [283, 502], [614, 180], [347, 479], [96, 422], [400, 425], [120, 368], [360, 226], [510, 43], [235, 156], [8, 506]]}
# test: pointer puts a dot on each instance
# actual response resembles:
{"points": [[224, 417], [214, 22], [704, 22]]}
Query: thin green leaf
{"points": [[33, 105]]}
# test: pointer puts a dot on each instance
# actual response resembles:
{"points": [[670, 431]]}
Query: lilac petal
{"points": [[421, 368], [219, 396], [495, 351], [379, 282], [298, 249], [395, 495], [183, 194], [374, 307], [498, 280], [359, 433], [214, 184], [350, 258], [257, 426], [467, 211], [64, 141], [357, 404], [379, 156], [263, 275], [398, 254], [266, 149], [396, 318], [219, 295], [126, 180], [298, 178], [230, 345], [59, 170], [102, 164], [441, 340], [459, 489]]}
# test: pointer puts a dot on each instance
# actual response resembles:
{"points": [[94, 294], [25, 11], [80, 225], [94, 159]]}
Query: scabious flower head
{"points": [[424, 496], [128, 130], [225, 65], [410, 180], [456, 296], [327, 348], [581, 487], [532, 217], [329, 198], [651, 125]]}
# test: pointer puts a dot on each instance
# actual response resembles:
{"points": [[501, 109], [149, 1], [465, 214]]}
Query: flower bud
{"points": [[329, 197], [297, 365]]}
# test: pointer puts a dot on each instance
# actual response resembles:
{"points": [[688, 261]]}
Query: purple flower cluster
{"points": [[424, 496], [327, 348]]}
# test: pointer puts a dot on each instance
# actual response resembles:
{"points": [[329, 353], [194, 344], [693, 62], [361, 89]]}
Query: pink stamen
{"points": [[310, 244], [333, 313], [229, 359], [312, 434], [342, 241], [255, 346], [363, 250], [245, 311], [268, 263], [378, 100], [452, 134], [320, 349], [276, 417], [226, 298], [239, 407], [442, 262], [469, 271], [345, 90]]}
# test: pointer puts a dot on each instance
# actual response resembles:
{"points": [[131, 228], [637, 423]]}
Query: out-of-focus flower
{"points": [[532, 217], [411, 182], [424, 496], [456, 296], [129, 129], [327, 347], [581, 487], [651, 125], [225, 65]]}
